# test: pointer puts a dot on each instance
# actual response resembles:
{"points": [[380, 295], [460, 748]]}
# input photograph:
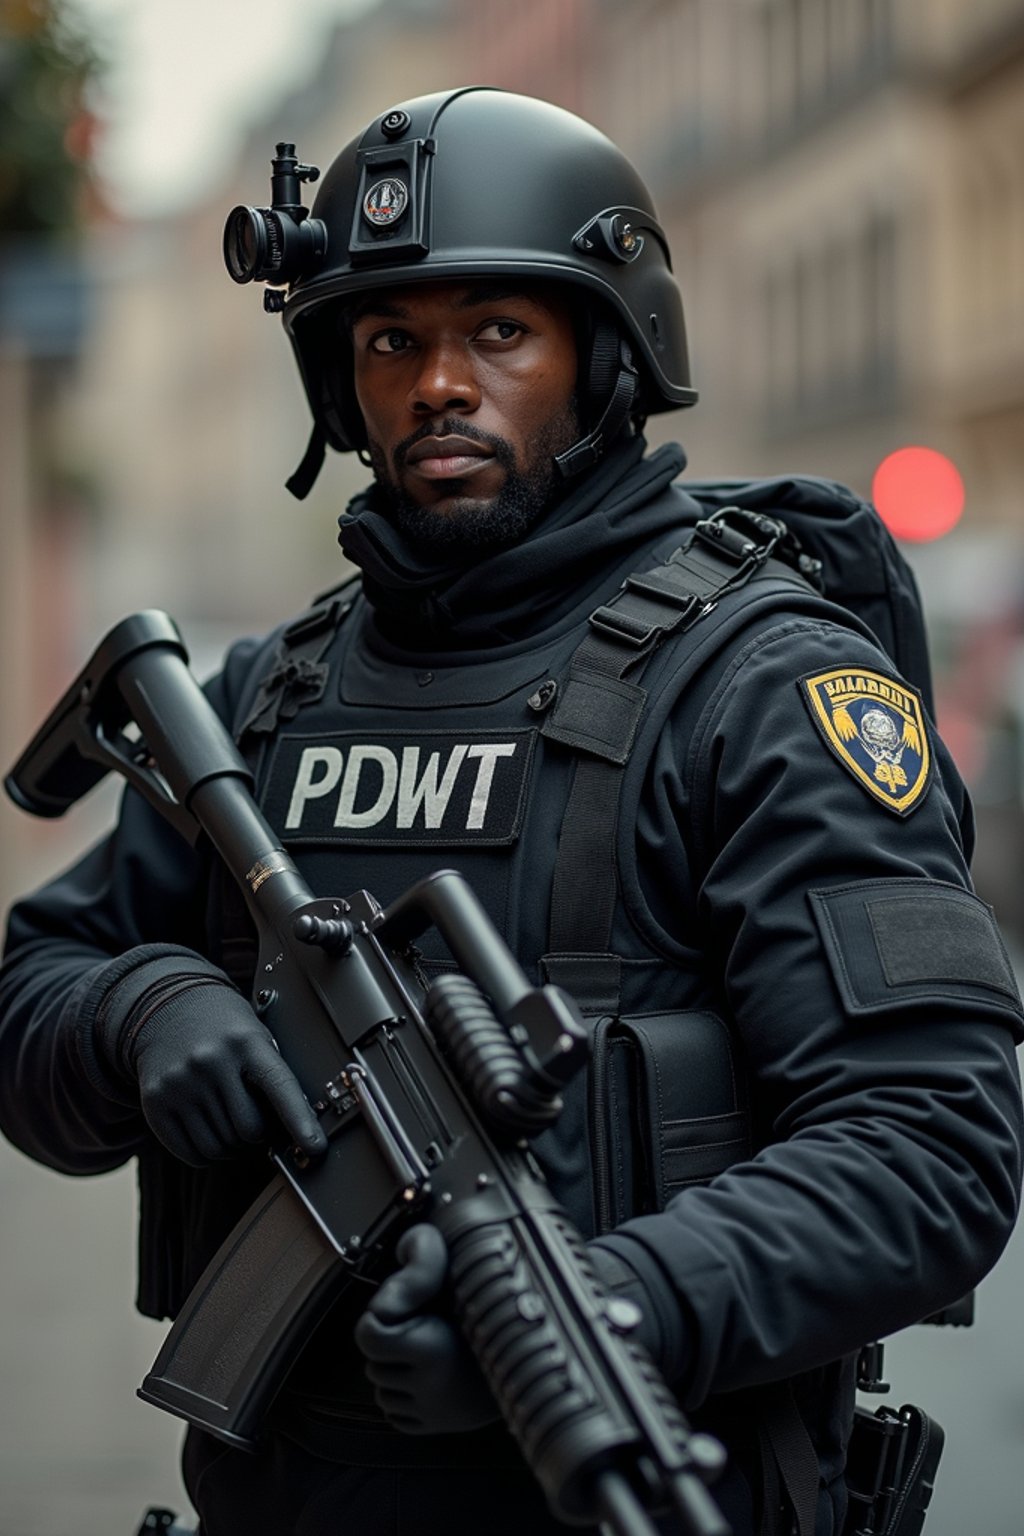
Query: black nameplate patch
{"points": [[430, 789]]}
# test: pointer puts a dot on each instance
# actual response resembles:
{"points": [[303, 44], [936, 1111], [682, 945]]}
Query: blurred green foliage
{"points": [[46, 128]]}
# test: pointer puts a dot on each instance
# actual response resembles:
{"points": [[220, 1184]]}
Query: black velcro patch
{"points": [[596, 713], [392, 789], [897, 943]]}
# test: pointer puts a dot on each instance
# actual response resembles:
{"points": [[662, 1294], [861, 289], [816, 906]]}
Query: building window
{"points": [[830, 325]]}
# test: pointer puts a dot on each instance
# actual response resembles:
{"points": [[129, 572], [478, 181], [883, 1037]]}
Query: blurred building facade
{"points": [[47, 199]]}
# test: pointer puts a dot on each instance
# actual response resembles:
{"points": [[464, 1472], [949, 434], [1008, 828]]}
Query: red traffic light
{"points": [[919, 493]]}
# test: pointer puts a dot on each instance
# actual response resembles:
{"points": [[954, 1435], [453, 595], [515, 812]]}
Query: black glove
{"points": [[210, 1078], [657, 1320], [426, 1379]]}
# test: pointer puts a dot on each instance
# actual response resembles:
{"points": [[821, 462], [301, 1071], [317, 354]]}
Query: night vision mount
{"points": [[279, 243]]}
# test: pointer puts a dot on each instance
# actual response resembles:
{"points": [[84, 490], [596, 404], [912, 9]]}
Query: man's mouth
{"points": [[447, 458]]}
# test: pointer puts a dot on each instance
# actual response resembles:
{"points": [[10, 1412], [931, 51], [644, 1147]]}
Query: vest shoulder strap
{"points": [[298, 672], [708, 580]]}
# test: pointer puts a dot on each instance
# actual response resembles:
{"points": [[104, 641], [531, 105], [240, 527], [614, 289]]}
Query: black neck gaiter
{"points": [[495, 597]]}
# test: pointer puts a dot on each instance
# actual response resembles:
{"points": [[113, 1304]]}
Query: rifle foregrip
{"points": [[233, 1341], [571, 1427]]}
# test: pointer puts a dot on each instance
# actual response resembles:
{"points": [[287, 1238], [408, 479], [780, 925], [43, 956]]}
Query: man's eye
{"points": [[499, 330], [389, 341]]}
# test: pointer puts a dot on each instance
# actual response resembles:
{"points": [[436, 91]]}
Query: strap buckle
{"points": [[636, 633], [741, 535], [657, 585]]}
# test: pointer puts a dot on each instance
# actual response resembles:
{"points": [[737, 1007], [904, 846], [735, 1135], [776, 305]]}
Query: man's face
{"points": [[467, 391]]}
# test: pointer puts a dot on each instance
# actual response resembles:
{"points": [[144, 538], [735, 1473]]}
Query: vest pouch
{"points": [[890, 1471], [665, 1110]]}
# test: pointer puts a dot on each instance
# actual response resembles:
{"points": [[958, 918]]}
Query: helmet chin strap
{"points": [[302, 481], [585, 453]]}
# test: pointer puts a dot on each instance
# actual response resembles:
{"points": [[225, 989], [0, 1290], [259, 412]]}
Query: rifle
{"points": [[428, 1095]]}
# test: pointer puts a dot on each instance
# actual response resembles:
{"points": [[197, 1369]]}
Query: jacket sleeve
{"points": [[876, 1010], [132, 908]]}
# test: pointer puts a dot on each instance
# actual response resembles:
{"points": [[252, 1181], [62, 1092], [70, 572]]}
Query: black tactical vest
{"points": [[519, 769], [524, 769]]}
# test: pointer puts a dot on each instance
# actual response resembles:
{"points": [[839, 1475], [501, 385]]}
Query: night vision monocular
{"points": [[279, 243]]}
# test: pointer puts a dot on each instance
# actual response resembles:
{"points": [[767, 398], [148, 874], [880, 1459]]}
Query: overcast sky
{"points": [[185, 77]]}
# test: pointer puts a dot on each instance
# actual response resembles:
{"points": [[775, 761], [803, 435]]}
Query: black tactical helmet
{"points": [[473, 183]]}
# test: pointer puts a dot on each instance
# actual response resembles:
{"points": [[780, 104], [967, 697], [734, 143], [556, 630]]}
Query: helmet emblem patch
{"points": [[385, 202], [876, 729]]}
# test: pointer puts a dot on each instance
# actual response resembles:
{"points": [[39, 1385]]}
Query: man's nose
{"points": [[446, 381]]}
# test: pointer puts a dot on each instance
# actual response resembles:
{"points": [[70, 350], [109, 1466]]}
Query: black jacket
{"points": [[873, 1010]]}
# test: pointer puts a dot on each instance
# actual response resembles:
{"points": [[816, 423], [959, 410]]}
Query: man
{"points": [[802, 1125]]}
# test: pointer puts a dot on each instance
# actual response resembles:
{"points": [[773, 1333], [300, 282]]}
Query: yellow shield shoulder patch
{"points": [[876, 729]]}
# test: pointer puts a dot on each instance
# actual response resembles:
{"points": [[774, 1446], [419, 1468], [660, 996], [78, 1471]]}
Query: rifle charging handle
{"points": [[333, 934]]}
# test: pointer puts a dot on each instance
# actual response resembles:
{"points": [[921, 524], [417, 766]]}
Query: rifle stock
{"points": [[427, 1095]]}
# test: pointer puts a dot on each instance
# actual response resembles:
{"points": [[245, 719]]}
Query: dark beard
{"points": [[522, 501]]}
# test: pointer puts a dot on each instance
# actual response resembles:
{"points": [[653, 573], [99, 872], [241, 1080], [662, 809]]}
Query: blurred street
{"points": [[80, 1455]]}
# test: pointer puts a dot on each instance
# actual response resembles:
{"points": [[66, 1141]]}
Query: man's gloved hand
{"points": [[426, 1379], [211, 1081], [659, 1324]]}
